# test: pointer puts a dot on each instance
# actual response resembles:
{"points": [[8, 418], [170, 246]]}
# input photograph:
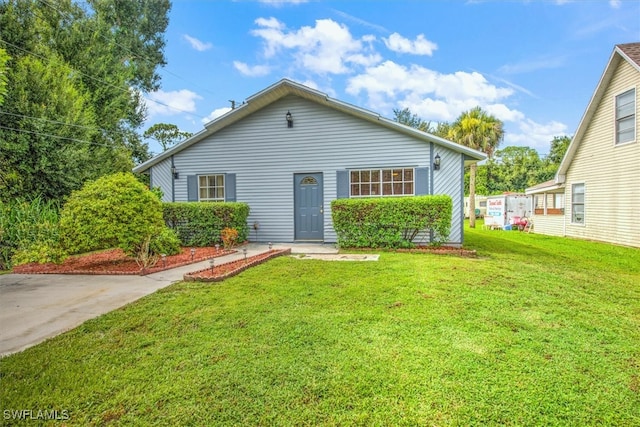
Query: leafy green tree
{"points": [[166, 134], [109, 52], [47, 131], [481, 131], [406, 117], [559, 146], [441, 129], [113, 211], [4, 58], [517, 168]]}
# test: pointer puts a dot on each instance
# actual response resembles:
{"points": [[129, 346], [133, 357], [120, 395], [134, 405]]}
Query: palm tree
{"points": [[481, 131]]}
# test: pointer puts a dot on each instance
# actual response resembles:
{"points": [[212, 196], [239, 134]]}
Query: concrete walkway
{"points": [[35, 307]]}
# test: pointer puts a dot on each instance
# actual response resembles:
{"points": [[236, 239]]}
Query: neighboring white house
{"points": [[595, 193], [289, 150]]}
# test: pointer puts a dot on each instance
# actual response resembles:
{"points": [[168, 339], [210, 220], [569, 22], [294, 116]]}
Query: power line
{"points": [[100, 80], [53, 121], [55, 136]]}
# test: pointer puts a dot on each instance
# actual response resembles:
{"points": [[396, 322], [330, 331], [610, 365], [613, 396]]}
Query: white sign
{"points": [[495, 207]]}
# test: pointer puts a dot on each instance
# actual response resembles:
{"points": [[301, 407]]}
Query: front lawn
{"points": [[536, 331]]}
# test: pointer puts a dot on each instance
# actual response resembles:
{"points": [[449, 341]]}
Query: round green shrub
{"points": [[113, 211], [167, 242]]}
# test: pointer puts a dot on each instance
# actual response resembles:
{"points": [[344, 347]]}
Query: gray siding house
{"points": [[289, 150]]}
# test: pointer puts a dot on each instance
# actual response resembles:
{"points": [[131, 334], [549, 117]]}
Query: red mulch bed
{"points": [[115, 262], [229, 269]]}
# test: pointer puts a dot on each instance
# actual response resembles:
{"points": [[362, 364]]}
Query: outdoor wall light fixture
{"points": [[174, 171], [436, 162], [289, 119]]}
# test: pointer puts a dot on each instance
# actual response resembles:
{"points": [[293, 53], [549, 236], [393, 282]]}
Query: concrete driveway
{"points": [[34, 307]]}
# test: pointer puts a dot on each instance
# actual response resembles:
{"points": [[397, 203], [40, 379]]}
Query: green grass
{"points": [[536, 331]]}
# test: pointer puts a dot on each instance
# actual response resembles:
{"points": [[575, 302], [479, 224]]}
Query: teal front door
{"points": [[308, 201]]}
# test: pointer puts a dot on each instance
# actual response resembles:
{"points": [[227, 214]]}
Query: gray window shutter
{"points": [[192, 188], [421, 181], [230, 187], [342, 184]]}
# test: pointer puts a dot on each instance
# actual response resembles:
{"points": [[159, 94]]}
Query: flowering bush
{"points": [[229, 237]]}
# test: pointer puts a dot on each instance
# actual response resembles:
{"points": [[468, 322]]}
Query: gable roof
{"points": [[288, 87], [629, 52]]}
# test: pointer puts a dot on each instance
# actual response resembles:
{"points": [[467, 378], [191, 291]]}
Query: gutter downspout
{"points": [[461, 220], [173, 182], [431, 146]]}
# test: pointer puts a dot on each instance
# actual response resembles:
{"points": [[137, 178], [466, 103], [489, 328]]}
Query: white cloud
{"points": [[198, 45], [513, 85], [255, 71], [428, 93], [535, 135], [504, 113], [362, 22], [215, 114], [327, 48], [615, 4], [419, 46], [534, 64], [171, 103]]}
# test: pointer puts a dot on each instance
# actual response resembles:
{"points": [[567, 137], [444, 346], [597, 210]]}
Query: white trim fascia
{"points": [[613, 62], [541, 190]]}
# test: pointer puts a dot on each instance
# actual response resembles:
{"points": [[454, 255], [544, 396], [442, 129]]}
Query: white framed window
{"points": [[626, 117], [577, 203], [381, 182], [211, 188]]}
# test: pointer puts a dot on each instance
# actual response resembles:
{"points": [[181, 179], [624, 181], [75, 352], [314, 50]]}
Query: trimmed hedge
{"points": [[390, 222], [200, 223]]}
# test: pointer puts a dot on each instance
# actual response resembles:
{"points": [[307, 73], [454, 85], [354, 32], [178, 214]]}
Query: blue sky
{"points": [[533, 64]]}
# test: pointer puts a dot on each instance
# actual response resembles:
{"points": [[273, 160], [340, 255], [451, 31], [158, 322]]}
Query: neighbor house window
{"points": [[577, 203], [626, 117], [381, 182], [211, 188]]}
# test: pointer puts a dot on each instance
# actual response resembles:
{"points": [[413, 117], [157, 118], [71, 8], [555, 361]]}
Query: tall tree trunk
{"points": [[472, 195]]}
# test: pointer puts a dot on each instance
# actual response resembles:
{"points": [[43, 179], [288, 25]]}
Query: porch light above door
{"points": [[436, 162]]}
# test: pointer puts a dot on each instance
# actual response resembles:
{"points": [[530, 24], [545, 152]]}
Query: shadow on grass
{"points": [[553, 250]]}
